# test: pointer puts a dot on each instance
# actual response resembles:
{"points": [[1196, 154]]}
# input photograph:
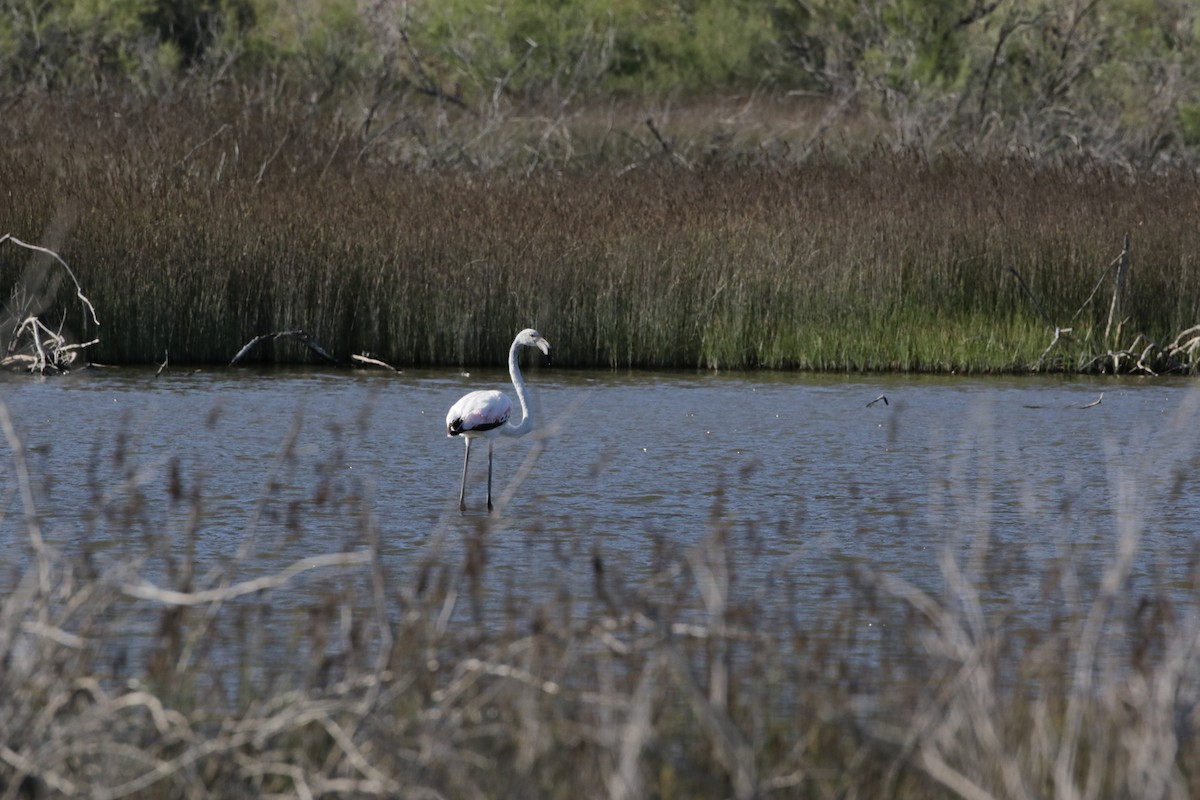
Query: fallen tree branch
{"points": [[8, 237], [367, 361], [1058, 332], [32, 343], [1187, 349], [304, 337], [1141, 362], [52, 354]]}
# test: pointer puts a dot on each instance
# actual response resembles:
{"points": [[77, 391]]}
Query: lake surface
{"points": [[809, 475]]}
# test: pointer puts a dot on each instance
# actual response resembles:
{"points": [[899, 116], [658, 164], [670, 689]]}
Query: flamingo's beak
{"points": [[544, 346]]}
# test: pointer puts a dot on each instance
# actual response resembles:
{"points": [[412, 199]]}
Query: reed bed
{"points": [[195, 227], [140, 668]]}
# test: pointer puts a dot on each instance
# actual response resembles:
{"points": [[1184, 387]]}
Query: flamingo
{"points": [[486, 413]]}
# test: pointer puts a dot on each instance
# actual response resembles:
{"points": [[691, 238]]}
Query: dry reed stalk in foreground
{"points": [[342, 675]]}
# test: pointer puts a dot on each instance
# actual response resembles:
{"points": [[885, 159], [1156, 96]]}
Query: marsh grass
{"points": [[145, 670], [196, 227]]}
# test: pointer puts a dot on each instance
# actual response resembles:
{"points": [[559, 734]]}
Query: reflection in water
{"points": [[810, 478]]}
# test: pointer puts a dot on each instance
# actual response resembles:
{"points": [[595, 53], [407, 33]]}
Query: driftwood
{"points": [[1185, 350], [362, 359], [1143, 355], [32, 343], [49, 349], [8, 237], [304, 337]]}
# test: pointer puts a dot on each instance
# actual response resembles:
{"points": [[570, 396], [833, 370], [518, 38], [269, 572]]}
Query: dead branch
{"points": [[1179, 348], [366, 361], [1147, 359], [50, 351], [663, 143], [1114, 308], [1058, 333], [427, 84], [8, 237], [1103, 277], [1141, 362], [667, 151], [1037, 305], [304, 337]]}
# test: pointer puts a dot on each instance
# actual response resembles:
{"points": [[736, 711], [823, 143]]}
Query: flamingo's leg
{"points": [[462, 491], [490, 445]]}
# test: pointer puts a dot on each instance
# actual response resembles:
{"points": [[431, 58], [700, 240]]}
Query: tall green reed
{"points": [[196, 233]]}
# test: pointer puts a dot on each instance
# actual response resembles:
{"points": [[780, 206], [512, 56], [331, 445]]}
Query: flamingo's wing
{"points": [[478, 412]]}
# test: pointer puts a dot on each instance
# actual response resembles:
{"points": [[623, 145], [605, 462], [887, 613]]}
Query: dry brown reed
{"points": [[198, 227], [345, 675]]}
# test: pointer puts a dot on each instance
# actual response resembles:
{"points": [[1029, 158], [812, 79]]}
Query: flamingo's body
{"points": [[486, 413]]}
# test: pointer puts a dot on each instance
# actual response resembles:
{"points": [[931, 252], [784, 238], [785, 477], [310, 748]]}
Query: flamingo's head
{"points": [[531, 338]]}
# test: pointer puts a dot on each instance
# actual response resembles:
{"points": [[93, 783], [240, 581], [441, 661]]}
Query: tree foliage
{"points": [[1114, 78]]}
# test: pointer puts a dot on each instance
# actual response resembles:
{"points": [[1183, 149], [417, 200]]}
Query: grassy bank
{"points": [[694, 241], [137, 667]]}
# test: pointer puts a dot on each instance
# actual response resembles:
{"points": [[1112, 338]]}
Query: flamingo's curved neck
{"points": [[514, 371]]}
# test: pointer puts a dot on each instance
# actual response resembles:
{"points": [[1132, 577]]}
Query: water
{"points": [[808, 472]]}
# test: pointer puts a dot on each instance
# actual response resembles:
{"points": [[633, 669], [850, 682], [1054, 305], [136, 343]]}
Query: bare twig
{"points": [[1058, 333], [224, 127], [1114, 309], [1096, 288], [1036, 303], [663, 143], [262, 168], [428, 85], [368, 361]]}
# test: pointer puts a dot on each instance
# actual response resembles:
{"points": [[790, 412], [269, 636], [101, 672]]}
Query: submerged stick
{"points": [[367, 361], [304, 337]]}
